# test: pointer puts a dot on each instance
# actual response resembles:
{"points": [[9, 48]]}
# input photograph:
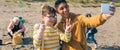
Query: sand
{"points": [[108, 36]]}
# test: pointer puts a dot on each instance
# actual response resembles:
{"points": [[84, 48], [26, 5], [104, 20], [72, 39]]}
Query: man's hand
{"points": [[112, 8], [11, 32], [68, 25]]}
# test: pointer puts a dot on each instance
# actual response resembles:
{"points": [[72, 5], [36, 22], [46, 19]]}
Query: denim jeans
{"points": [[90, 37]]}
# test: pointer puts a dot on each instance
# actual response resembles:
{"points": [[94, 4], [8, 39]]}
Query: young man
{"points": [[16, 25]]}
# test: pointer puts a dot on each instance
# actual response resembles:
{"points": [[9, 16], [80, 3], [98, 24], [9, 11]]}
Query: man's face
{"points": [[16, 22], [63, 10]]}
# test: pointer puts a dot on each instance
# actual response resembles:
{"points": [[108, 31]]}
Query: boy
{"points": [[47, 37]]}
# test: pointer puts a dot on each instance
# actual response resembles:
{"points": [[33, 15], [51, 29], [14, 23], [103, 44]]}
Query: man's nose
{"points": [[65, 9]]}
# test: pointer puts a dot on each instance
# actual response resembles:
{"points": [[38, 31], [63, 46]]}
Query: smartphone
{"points": [[105, 8]]}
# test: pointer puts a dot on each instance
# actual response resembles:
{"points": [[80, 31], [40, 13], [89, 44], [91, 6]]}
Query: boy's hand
{"points": [[42, 27], [68, 25], [112, 8]]}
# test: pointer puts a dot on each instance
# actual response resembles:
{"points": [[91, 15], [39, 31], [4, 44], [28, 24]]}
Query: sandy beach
{"points": [[108, 36]]}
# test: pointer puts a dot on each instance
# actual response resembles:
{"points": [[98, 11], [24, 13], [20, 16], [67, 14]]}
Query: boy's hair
{"points": [[58, 2], [47, 9]]}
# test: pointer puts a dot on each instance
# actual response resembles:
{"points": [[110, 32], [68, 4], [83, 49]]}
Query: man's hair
{"points": [[15, 19], [47, 9], [58, 2]]}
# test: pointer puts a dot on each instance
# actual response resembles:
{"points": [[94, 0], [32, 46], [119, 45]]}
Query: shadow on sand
{"points": [[27, 40], [105, 47]]}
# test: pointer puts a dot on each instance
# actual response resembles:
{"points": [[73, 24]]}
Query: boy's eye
{"points": [[51, 16]]}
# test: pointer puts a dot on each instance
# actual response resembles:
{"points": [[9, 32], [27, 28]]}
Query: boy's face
{"points": [[49, 19]]}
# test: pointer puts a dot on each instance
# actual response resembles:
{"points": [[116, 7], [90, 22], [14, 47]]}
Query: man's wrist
{"points": [[67, 31], [11, 32]]}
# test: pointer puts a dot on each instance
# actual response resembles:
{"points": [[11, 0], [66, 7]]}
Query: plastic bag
{"points": [[17, 39]]}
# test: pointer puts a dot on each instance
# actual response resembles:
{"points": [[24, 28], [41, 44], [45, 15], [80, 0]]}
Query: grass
{"points": [[93, 4], [83, 4]]}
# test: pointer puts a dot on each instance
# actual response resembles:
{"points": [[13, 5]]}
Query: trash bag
{"points": [[17, 39]]}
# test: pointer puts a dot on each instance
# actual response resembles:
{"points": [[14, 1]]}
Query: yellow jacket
{"points": [[79, 23]]}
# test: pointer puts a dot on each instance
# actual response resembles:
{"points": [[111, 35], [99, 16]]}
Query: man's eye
{"points": [[61, 8], [52, 16]]}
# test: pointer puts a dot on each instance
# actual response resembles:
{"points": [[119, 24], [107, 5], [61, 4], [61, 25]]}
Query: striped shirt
{"points": [[51, 38]]}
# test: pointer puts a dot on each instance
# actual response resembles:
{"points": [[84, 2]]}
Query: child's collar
{"points": [[48, 25]]}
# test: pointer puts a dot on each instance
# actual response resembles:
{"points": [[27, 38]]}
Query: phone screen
{"points": [[105, 8]]}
